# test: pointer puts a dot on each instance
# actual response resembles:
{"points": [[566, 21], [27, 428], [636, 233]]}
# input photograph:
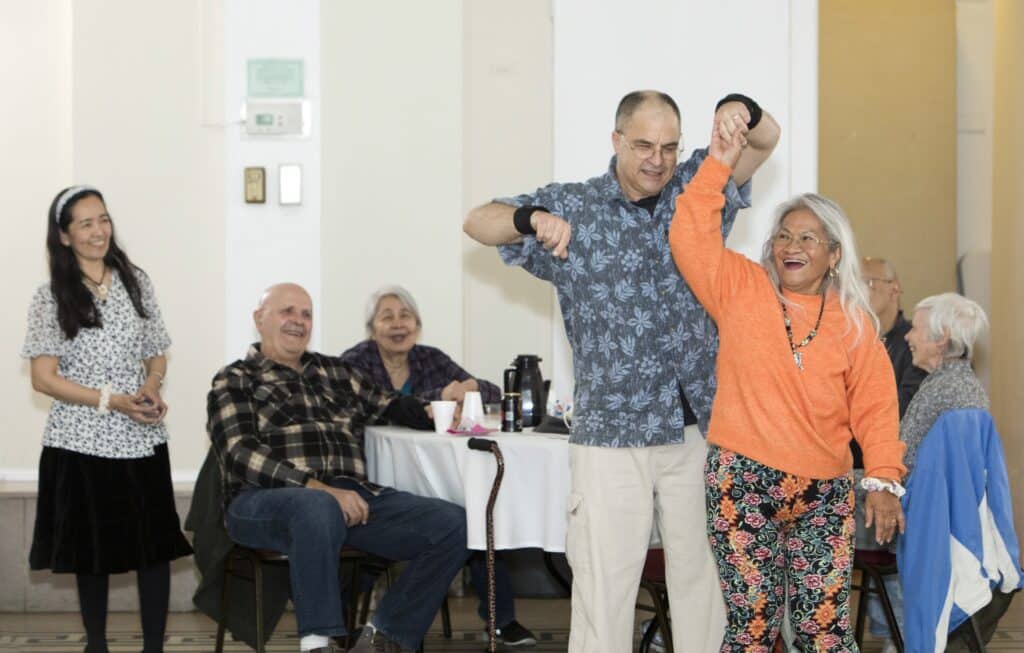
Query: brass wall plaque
{"points": [[255, 185]]}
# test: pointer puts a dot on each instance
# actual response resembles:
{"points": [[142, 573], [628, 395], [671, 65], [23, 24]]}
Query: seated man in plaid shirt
{"points": [[287, 428]]}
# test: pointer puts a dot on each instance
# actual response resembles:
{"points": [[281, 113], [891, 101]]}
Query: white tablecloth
{"points": [[531, 506]]}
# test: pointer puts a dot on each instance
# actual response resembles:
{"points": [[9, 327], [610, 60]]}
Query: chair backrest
{"points": [[960, 540]]}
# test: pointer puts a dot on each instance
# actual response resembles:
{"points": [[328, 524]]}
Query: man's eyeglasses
{"points": [[806, 240], [646, 149], [871, 281]]}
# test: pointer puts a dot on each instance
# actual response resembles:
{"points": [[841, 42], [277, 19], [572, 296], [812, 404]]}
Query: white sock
{"points": [[370, 627], [310, 642]]}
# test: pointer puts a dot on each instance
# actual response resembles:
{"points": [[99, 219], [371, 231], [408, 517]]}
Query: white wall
{"points": [[109, 94], [975, 31], [414, 121], [975, 69], [269, 243], [37, 144], [697, 52]]}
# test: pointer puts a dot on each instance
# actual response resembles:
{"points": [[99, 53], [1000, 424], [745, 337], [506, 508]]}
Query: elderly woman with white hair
{"points": [[394, 360], [941, 338], [800, 371]]}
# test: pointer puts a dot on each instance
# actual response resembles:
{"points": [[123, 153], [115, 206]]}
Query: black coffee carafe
{"points": [[529, 384]]}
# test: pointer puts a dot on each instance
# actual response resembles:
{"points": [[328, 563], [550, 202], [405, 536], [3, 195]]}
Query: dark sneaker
{"points": [[371, 641], [516, 634]]}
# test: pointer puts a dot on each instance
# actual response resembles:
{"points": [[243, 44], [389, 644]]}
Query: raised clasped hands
{"points": [[553, 233], [728, 137]]}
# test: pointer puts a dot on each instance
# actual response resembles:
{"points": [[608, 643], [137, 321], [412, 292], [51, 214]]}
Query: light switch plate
{"points": [[289, 180]]}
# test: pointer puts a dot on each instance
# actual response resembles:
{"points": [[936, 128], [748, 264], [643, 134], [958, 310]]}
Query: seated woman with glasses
{"points": [[394, 360], [800, 370]]}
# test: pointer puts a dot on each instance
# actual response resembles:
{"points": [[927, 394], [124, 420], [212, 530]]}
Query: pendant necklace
{"points": [[797, 355], [101, 288]]}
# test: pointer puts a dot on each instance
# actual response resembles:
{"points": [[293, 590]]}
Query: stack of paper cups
{"points": [[472, 411]]}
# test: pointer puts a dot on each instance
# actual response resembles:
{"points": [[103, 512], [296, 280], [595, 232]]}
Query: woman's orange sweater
{"points": [[766, 408]]}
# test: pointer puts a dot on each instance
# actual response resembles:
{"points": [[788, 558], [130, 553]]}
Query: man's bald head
{"points": [[284, 320], [274, 292]]}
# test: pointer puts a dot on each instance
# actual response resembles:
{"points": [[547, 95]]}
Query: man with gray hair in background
{"points": [[884, 292], [643, 355]]}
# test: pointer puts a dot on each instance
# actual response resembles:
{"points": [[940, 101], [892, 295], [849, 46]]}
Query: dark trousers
{"points": [[309, 527]]}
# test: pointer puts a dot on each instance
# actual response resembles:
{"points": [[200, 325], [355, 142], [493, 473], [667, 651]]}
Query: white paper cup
{"points": [[472, 410], [444, 413]]}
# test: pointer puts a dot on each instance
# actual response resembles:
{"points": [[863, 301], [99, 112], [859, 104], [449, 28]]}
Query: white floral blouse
{"points": [[111, 354]]}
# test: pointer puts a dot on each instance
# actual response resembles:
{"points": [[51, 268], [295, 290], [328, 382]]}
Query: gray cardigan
{"points": [[951, 386]]}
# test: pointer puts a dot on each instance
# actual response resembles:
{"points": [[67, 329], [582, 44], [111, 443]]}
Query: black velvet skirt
{"points": [[105, 515]]}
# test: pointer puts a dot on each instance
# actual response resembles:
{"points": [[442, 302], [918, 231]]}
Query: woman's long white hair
{"points": [[853, 296]]}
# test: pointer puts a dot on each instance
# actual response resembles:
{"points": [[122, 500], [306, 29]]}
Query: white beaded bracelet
{"points": [[872, 484], [104, 406]]}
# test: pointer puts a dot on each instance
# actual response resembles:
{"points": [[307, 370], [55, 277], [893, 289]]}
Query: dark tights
{"points": [[154, 593]]}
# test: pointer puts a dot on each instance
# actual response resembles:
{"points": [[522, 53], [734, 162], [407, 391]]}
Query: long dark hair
{"points": [[76, 308]]}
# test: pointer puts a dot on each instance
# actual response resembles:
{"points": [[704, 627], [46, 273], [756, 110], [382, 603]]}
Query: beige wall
{"points": [[887, 120], [391, 164], [458, 114], [1008, 242], [113, 101], [508, 144]]}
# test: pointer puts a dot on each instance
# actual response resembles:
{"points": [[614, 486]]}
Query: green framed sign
{"points": [[275, 78]]}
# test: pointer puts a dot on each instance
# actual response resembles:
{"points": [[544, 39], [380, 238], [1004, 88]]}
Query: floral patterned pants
{"points": [[767, 526]]}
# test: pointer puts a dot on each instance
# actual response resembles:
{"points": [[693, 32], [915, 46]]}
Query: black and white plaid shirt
{"points": [[272, 426]]}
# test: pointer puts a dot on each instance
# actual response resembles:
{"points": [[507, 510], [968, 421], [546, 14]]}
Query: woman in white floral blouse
{"points": [[96, 341]]}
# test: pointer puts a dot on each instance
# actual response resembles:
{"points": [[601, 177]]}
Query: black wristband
{"points": [[521, 219], [752, 107]]}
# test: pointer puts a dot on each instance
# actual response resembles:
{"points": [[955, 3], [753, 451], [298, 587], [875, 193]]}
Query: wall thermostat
{"points": [[280, 118]]}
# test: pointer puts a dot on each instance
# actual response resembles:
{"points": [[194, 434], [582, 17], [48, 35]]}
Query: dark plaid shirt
{"points": [[274, 427], [430, 370]]}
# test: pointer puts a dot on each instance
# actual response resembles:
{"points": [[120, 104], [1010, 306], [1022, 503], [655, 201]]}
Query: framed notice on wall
{"points": [[277, 78]]}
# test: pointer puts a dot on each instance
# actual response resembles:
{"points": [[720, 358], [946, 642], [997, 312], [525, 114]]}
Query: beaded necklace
{"points": [[797, 356]]}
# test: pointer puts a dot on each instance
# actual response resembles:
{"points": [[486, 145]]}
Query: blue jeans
{"points": [[877, 624], [309, 527]]}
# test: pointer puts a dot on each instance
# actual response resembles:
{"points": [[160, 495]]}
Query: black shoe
{"points": [[516, 634], [371, 641]]}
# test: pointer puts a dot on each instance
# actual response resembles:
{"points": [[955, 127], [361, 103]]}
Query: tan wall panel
{"points": [[887, 132], [507, 129], [1007, 242]]}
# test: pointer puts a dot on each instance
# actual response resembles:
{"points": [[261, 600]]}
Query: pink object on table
{"points": [[476, 430]]}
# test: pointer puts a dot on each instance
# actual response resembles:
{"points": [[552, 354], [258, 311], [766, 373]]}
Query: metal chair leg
{"points": [[976, 632], [890, 615], [446, 619], [257, 574], [862, 607], [661, 615], [222, 623]]}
